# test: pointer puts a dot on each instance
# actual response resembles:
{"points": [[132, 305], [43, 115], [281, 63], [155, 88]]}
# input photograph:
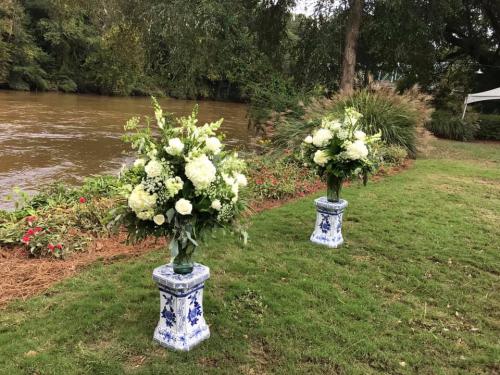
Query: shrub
{"points": [[489, 127], [396, 115], [449, 125], [393, 155], [278, 177]]}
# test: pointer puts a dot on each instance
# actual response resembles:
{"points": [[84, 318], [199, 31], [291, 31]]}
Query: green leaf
{"points": [[174, 248], [170, 215], [188, 234]]}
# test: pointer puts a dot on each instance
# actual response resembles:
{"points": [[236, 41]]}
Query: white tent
{"points": [[480, 96]]}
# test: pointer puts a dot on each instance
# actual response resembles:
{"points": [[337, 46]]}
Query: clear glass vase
{"points": [[183, 262], [333, 188]]}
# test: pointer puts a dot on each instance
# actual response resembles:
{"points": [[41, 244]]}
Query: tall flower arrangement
{"points": [[339, 149], [182, 183]]}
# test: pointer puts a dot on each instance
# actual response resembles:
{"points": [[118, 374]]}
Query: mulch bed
{"points": [[23, 277]]}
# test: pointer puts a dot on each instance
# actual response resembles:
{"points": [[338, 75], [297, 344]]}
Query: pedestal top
{"points": [[165, 276], [323, 204]]}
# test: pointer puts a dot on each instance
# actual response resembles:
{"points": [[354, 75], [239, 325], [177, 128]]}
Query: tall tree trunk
{"points": [[351, 43]]}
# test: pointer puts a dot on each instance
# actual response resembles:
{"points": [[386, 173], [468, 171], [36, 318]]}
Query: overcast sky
{"points": [[305, 6]]}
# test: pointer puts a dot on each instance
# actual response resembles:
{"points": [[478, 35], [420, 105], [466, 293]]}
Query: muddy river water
{"points": [[47, 137]]}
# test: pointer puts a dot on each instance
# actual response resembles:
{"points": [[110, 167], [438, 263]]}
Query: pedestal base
{"points": [[182, 324], [328, 228]]}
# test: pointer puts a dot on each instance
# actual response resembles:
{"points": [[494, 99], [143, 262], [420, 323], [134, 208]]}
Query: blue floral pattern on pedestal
{"points": [[168, 314], [325, 223], [195, 311]]}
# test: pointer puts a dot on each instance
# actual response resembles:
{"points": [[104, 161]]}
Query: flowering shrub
{"points": [[279, 178], [182, 183], [338, 149], [39, 239]]}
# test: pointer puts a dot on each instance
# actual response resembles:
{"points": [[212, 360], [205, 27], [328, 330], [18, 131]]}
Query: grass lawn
{"points": [[414, 290]]}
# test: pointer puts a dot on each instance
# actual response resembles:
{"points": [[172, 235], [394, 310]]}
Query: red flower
{"points": [[51, 247], [38, 229], [82, 200], [30, 219], [29, 232], [26, 240], [59, 246], [259, 181]]}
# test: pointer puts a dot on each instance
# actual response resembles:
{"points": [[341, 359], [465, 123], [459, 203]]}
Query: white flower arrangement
{"points": [[182, 182], [339, 148]]}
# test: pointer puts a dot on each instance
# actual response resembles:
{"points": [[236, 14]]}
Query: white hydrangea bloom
{"points": [[213, 145], [342, 134], [173, 186], [241, 180], [183, 206], [359, 134], [159, 219], [228, 179], [201, 172], [139, 163], [140, 200], [216, 205], [153, 168], [308, 139], [321, 158], [175, 147], [321, 138], [357, 150]]}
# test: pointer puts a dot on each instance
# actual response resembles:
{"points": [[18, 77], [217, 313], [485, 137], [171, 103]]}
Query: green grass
{"points": [[417, 282]]}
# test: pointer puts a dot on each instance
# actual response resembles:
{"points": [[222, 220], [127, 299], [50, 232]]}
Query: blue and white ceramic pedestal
{"points": [[182, 325], [328, 228]]}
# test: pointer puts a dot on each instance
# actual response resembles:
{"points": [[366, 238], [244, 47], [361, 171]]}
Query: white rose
{"points": [[139, 163], [216, 205], [183, 206], [153, 168], [213, 145], [359, 134], [175, 146], [241, 180], [321, 138], [140, 200], [321, 157], [308, 139], [357, 150], [159, 219], [201, 172]]}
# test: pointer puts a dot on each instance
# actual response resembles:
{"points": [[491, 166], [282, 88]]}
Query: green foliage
{"points": [[449, 125], [279, 177], [489, 127], [67, 216], [397, 116], [393, 155]]}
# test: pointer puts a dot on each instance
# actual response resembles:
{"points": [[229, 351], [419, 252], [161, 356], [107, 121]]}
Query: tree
{"points": [[351, 43]]}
